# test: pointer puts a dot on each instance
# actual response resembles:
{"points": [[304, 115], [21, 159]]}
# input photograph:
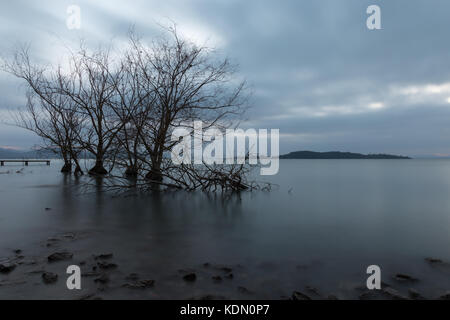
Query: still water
{"points": [[324, 223]]}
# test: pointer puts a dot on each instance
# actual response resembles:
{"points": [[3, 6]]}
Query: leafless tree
{"points": [[92, 85], [186, 83], [49, 114], [123, 111]]}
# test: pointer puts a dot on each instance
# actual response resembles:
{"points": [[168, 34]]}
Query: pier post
{"points": [[2, 163], [26, 163]]}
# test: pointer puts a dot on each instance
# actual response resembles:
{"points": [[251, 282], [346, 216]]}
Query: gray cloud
{"points": [[316, 71]]}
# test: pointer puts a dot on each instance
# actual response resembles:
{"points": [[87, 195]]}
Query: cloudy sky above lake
{"points": [[317, 73]]}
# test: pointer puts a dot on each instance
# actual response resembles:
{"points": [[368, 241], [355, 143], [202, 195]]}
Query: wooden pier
{"points": [[24, 161]]}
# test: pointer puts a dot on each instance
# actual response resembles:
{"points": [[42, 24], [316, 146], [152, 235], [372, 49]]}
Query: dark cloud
{"points": [[317, 72]]}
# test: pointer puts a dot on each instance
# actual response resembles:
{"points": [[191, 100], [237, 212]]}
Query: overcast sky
{"points": [[316, 71]]}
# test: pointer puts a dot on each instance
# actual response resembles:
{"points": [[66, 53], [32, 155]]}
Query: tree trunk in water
{"points": [[131, 172], [154, 176], [67, 168], [78, 171], [98, 169]]}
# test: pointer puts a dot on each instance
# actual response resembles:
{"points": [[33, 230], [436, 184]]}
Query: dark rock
{"points": [[87, 296], [7, 267], [146, 283], [229, 276], [445, 296], [102, 279], [141, 284], [414, 294], [404, 277], [103, 256], [90, 274], [370, 295], [17, 251], [106, 266], [59, 256], [190, 277], [332, 297], [313, 290], [49, 277], [48, 209], [226, 269], [212, 297], [38, 271], [438, 263], [393, 294], [217, 278], [90, 296], [244, 290], [433, 261], [208, 297], [82, 263], [206, 264], [132, 277], [299, 296]]}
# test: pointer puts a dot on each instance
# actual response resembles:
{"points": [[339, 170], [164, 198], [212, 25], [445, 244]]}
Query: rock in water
{"points": [[299, 296], [433, 260], [132, 277], [7, 267], [244, 290], [414, 294], [141, 284], [103, 256], [102, 279], [404, 277], [190, 277], [445, 296], [106, 266], [49, 277], [394, 294], [59, 256]]}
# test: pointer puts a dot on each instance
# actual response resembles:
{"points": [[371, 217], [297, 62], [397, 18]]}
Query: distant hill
{"points": [[337, 155]]}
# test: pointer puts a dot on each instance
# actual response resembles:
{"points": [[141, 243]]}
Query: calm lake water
{"points": [[325, 223]]}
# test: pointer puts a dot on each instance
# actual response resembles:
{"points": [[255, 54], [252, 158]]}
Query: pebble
{"points": [[49, 277]]}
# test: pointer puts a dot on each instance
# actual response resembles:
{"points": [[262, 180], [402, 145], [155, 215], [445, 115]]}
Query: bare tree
{"points": [[49, 114], [187, 82], [124, 111], [91, 88]]}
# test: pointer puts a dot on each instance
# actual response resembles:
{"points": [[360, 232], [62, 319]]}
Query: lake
{"points": [[316, 232]]}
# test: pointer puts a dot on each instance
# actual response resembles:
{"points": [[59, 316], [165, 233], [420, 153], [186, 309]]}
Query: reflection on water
{"points": [[339, 217]]}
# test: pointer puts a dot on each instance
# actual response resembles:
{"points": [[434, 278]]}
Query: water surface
{"points": [[322, 226]]}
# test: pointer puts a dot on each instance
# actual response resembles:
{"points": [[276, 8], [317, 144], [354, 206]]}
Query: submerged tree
{"points": [[183, 83], [48, 113], [123, 111]]}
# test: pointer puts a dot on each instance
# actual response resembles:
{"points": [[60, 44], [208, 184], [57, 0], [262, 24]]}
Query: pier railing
{"points": [[24, 161]]}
